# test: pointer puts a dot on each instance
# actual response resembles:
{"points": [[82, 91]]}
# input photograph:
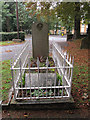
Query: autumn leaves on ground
{"points": [[80, 73]]}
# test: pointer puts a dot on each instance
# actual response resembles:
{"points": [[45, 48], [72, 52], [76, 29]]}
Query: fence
{"points": [[18, 62], [39, 85], [64, 66]]}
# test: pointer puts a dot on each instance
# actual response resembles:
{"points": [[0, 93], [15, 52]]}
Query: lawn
{"points": [[6, 79], [5, 43], [80, 73]]}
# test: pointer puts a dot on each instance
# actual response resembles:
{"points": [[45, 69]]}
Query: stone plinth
{"points": [[42, 79]]}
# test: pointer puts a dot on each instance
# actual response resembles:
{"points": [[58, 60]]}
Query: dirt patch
{"points": [[72, 114]]}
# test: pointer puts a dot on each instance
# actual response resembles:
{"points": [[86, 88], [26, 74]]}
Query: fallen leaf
{"points": [[8, 51], [8, 114], [25, 115]]}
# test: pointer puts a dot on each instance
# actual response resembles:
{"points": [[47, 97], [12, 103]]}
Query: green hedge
{"points": [[8, 36]]}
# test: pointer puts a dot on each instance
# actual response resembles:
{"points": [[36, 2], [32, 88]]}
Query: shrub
{"points": [[8, 36]]}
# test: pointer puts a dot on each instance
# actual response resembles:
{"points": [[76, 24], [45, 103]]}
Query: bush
{"points": [[8, 36]]}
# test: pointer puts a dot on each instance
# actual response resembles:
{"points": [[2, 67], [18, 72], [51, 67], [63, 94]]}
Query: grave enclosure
{"points": [[42, 77]]}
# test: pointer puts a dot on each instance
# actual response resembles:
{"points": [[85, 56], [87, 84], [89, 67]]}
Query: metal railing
{"points": [[64, 60], [20, 61], [39, 85]]}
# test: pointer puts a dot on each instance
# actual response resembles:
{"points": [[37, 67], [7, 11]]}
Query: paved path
{"points": [[13, 50], [8, 52]]}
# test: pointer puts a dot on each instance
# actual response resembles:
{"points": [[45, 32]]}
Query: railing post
{"points": [[21, 75], [55, 77], [13, 81], [38, 74], [46, 74], [29, 63], [64, 62], [71, 77]]}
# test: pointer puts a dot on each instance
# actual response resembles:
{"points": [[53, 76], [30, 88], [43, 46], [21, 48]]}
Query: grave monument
{"points": [[40, 42]]}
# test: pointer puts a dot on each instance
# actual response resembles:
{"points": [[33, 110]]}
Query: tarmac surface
{"points": [[9, 52]]}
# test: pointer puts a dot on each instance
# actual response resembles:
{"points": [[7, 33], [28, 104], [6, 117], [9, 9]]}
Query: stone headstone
{"points": [[40, 42]]}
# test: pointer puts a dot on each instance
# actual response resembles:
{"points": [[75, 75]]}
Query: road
{"points": [[8, 52]]}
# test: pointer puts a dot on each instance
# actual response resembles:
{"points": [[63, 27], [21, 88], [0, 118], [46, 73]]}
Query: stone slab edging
{"points": [[42, 104]]}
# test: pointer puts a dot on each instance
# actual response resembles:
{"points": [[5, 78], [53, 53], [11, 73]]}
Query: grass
{"points": [[5, 79], [80, 77], [80, 73], [5, 43]]}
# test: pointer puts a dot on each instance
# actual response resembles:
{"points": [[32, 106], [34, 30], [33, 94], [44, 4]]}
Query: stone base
{"points": [[42, 79], [43, 102], [63, 103]]}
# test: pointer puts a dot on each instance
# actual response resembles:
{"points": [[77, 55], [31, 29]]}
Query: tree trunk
{"points": [[77, 21], [56, 28], [88, 31], [17, 19], [7, 24], [77, 28], [88, 36]]}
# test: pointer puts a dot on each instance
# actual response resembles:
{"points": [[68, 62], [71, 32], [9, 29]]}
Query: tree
{"points": [[69, 13], [86, 16], [72, 13], [8, 16], [24, 19], [9, 21], [65, 12], [44, 12], [40, 10], [77, 19]]}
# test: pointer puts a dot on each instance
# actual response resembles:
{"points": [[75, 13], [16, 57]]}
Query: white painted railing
{"points": [[20, 61], [65, 60], [42, 89]]}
